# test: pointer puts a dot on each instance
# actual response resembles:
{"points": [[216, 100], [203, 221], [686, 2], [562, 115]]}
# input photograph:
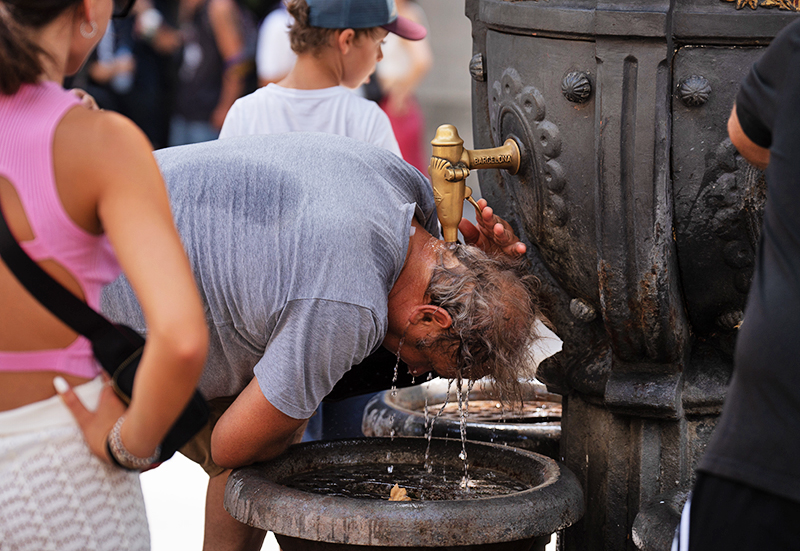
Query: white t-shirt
{"points": [[274, 55], [274, 109]]}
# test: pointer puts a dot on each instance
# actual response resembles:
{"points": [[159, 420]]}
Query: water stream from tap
{"points": [[463, 409], [425, 411], [429, 425], [397, 366], [393, 391]]}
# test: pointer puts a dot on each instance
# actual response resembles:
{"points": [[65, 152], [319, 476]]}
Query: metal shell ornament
{"points": [[576, 87], [694, 91], [477, 69]]}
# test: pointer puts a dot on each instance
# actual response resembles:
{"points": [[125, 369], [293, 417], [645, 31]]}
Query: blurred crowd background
{"points": [[142, 67]]}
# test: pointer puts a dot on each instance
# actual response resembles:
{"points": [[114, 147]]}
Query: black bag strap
{"points": [[55, 297]]}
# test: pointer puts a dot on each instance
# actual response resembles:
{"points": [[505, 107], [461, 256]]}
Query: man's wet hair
{"points": [[492, 300]]}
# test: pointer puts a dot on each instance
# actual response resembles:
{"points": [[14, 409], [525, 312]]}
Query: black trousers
{"points": [[728, 515]]}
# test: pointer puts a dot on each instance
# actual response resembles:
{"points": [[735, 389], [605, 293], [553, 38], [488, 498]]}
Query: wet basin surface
{"points": [[375, 481], [550, 497]]}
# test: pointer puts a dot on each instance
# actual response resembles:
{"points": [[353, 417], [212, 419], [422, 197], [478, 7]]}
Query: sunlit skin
{"points": [[493, 234], [421, 360], [346, 61], [108, 182], [758, 156], [362, 57], [399, 89]]}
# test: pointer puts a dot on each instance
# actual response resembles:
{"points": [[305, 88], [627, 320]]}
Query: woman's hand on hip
{"points": [[95, 425]]}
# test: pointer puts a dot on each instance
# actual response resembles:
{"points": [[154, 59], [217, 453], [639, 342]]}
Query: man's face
{"points": [[422, 359]]}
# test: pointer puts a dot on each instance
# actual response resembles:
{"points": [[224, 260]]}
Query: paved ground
{"points": [[174, 495]]}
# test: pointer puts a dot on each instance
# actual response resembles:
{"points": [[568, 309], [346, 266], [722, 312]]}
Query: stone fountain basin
{"points": [[311, 521], [402, 411]]}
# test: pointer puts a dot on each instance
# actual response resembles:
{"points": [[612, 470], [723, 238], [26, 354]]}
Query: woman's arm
{"points": [[109, 163]]}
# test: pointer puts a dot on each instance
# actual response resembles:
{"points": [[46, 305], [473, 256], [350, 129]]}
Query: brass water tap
{"points": [[450, 166]]}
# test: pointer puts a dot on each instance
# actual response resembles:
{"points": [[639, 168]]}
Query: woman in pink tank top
{"points": [[81, 190]]}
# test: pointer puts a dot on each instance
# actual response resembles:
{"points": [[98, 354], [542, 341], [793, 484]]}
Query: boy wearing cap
{"points": [[338, 44]]}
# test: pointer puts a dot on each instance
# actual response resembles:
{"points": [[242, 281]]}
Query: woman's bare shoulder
{"points": [[95, 131], [92, 145]]}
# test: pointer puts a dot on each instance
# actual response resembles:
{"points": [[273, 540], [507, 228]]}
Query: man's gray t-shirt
{"points": [[295, 241]]}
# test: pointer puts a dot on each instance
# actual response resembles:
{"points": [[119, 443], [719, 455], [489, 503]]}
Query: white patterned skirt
{"points": [[56, 495]]}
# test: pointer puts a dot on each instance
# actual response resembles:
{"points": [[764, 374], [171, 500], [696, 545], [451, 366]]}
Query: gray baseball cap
{"points": [[362, 14]]}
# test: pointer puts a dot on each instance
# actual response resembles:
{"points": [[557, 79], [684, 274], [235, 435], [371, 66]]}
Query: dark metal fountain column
{"points": [[642, 223]]}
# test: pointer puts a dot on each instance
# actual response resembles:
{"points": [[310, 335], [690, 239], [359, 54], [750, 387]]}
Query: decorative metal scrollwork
{"points": [[736, 199], [787, 5], [582, 310], [518, 109], [694, 91], [476, 68], [576, 87]]}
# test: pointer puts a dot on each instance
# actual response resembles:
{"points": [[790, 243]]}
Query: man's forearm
{"points": [[252, 430], [232, 455]]}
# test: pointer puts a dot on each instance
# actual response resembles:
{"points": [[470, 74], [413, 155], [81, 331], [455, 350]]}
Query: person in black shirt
{"points": [[747, 494]]}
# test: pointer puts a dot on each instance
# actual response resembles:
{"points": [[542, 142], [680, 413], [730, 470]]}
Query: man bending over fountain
{"points": [[311, 251]]}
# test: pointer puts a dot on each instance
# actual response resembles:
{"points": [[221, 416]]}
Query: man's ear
{"points": [[430, 314], [345, 39]]}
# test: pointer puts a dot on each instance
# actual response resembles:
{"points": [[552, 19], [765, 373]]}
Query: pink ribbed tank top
{"points": [[28, 120]]}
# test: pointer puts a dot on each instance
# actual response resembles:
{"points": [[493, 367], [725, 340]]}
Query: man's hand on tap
{"points": [[492, 234]]}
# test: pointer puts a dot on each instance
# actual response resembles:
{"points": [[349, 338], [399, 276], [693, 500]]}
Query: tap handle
{"points": [[472, 201], [506, 156], [449, 167]]}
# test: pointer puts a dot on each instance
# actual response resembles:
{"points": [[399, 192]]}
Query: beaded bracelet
{"points": [[121, 456]]}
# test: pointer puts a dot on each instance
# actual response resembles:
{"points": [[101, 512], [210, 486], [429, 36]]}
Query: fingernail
{"points": [[61, 385]]}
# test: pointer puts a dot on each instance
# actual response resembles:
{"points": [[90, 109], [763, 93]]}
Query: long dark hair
{"points": [[21, 57]]}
